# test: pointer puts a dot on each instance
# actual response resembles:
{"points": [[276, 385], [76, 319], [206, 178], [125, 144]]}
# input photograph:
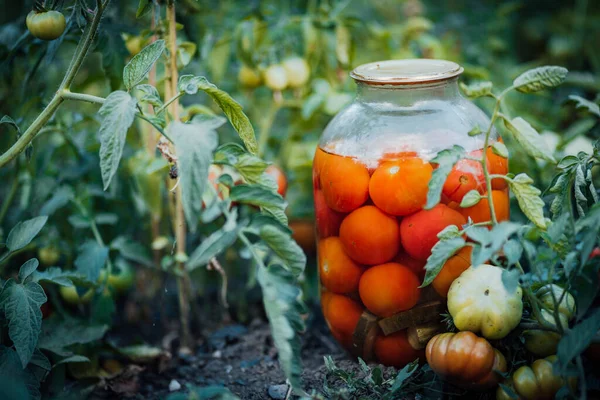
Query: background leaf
{"points": [[477, 89], [117, 112], [540, 78], [281, 300], [21, 304], [576, 340], [529, 199], [27, 269], [285, 247], [136, 70], [24, 232], [194, 144], [232, 109], [529, 139], [591, 107], [91, 259]]}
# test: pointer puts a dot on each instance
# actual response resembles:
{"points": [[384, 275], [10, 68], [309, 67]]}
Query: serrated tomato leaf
{"points": [[21, 304], [136, 70]]}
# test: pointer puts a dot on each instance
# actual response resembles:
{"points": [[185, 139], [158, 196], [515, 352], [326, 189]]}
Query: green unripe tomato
{"points": [[544, 343], [48, 255], [70, 296], [565, 307], [121, 279], [276, 78], [297, 71], [249, 77], [134, 45], [46, 25]]}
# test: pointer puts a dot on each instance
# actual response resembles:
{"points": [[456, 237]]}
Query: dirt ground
{"points": [[241, 358]]}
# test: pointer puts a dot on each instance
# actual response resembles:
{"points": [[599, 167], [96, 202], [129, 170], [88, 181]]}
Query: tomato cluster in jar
{"points": [[374, 238]]}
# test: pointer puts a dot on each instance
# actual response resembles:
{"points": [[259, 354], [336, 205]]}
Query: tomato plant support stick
{"points": [[180, 226]]}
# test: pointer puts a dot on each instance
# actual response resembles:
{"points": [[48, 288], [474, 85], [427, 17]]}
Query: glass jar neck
{"points": [[407, 95]]}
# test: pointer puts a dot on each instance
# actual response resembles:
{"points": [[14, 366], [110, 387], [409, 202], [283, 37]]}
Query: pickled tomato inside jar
{"points": [[371, 177]]}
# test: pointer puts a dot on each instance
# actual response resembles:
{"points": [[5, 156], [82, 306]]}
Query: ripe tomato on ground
{"points": [[395, 350], [418, 231], [328, 221], [399, 187], [339, 274], [387, 289], [480, 212], [344, 182], [465, 359], [46, 25], [279, 176], [451, 270], [370, 236]]}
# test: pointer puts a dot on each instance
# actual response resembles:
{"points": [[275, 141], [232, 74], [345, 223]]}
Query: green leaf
{"points": [[57, 276], [138, 67], [266, 198], [15, 381], [500, 149], [281, 298], [471, 198], [40, 360], [529, 139], [440, 253], [21, 304], [132, 250], [403, 375], [144, 7], [285, 247], [23, 233], [475, 131], [445, 160], [27, 269], [57, 335], [540, 78], [529, 199], [117, 114], [591, 107], [510, 279], [72, 359], [490, 242], [512, 250], [194, 144], [91, 259], [477, 89], [577, 339], [232, 109], [210, 247], [150, 95], [9, 121], [251, 167], [312, 104], [59, 199]]}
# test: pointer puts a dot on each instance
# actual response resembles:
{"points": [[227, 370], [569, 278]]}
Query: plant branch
{"points": [[68, 95], [48, 112], [168, 103]]}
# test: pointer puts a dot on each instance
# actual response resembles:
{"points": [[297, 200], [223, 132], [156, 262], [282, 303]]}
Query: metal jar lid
{"points": [[406, 72]]}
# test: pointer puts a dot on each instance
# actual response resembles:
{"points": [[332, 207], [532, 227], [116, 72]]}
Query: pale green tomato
{"points": [[297, 71], [544, 343], [46, 25], [48, 255], [565, 307], [276, 78], [69, 295], [249, 77], [121, 279], [479, 302]]}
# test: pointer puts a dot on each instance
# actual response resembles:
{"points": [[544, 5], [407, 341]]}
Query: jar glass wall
{"points": [[370, 176]]}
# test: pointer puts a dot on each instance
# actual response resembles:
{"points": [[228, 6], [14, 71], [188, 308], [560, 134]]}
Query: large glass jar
{"points": [[371, 173]]}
